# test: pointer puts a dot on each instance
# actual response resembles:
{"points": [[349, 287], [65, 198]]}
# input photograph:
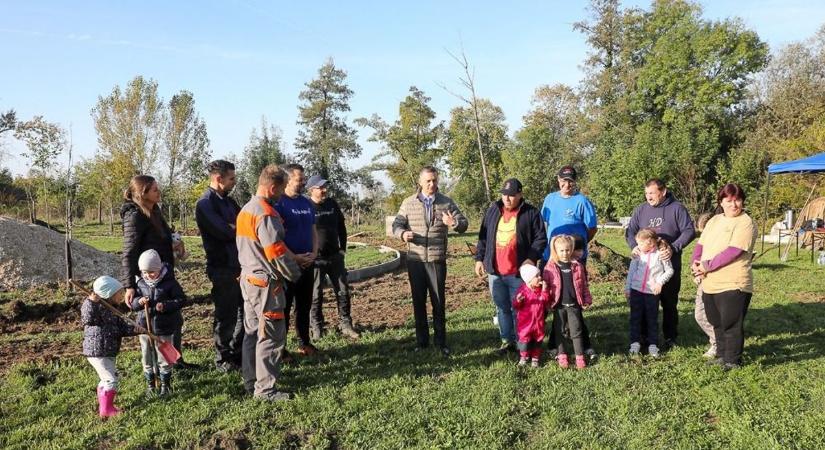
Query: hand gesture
{"points": [[479, 269], [657, 288], [636, 252], [448, 219], [140, 330], [519, 298], [665, 254], [543, 285], [143, 301], [407, 236]]}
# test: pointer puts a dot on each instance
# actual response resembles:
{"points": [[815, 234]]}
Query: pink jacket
{"points": [[531, 308], [552, 276]]}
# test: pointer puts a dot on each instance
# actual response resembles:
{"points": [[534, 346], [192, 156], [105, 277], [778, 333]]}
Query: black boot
{"points": [[165, 384], [150, 384]]}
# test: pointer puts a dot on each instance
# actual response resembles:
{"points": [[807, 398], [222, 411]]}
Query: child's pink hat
{"points": [[528, 272]]}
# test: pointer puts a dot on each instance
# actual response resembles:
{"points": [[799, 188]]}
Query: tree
{"points": [[666, 101], [787, 122], [325, 140], [44, 142], [486, 121], [186, 151], [548, 140], [129, 125], [8, 122], [408, 145], [262, 149]]}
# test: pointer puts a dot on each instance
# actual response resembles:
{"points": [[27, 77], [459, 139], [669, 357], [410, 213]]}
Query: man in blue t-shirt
{"points": [[568, 211], [298, 215]]}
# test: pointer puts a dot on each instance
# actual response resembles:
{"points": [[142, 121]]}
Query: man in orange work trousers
{"points": [[265, 264]]}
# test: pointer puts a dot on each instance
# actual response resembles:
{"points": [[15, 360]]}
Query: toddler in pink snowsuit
{"points": [[530, 305]]}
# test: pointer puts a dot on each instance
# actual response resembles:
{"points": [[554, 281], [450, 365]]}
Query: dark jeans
{"points": [[227, 325], [335, 269], [644, 314], [569, 323], [726, 312], [299, 293], [428, 277]]}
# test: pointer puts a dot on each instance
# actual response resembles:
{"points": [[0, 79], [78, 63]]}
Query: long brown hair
{"points": [[139, 186]]}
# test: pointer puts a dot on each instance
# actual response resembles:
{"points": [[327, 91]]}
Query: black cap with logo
{"points": [[511, 187], [567, 173]]}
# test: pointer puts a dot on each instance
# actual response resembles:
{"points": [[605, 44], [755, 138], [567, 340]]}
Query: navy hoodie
{"points": [[671, 221]]}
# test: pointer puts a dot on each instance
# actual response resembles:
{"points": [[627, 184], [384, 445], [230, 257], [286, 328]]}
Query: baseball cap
{"points": [[567, 172], [315, 181], [511, 187]]}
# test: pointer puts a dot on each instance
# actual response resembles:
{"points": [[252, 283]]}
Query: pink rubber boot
{"points": [[107, 403], [100, 400], [580, 363], [562, 359]]}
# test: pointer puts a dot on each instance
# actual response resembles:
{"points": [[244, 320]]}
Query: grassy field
{"points": [[376, 393]]}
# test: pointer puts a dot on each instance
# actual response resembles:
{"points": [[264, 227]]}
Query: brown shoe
{"points": [[306, 350]]}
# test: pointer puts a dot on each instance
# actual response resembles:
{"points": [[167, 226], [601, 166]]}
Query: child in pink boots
{"points": [[569, 294], [530, 305], [102, 332]]}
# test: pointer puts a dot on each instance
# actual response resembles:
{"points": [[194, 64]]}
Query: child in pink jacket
{"points": [[530, 305], [569, 294]]}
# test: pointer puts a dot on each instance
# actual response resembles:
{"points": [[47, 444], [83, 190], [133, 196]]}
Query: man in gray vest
{"points": [[422, 222]]}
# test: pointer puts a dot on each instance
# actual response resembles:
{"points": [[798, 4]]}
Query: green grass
{"points": [[358, 257], [378, 394]]}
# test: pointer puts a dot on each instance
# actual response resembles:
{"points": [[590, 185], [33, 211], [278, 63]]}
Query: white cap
{"points": [[106, 286], [150, 261], [528, 272]]}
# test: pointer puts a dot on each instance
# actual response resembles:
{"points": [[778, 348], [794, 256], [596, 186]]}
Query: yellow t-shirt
{"points": [[720, 233]]}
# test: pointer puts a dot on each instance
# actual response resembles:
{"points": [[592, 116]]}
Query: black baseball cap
{"points": [[567, 172], [511, 187]]}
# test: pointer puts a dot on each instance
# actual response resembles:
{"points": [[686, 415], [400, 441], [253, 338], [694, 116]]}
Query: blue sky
{"points": [[246, 59]]}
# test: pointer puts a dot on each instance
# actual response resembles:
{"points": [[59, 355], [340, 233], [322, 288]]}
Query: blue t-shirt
{"points": [[572, 215], [299, 217]]}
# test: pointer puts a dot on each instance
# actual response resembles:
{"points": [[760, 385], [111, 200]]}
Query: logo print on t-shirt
{"points": [[656, 222]]}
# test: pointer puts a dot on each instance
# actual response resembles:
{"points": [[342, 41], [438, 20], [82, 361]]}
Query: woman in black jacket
{"points": [[144, 228]]}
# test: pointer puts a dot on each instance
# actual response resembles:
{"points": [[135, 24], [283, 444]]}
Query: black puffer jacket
{"points": [[167, 291], [140, 235]]}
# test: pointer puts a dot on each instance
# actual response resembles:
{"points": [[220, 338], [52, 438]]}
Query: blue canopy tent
{"points": [[811, 164]]}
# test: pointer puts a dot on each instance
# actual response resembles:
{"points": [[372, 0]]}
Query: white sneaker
{"points": [[495, 320], [522, 362], [653, 351], [711, 353], [634, 348]]}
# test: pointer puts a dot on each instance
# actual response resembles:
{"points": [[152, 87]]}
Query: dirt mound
{"points": [[32, 255], [604, 264]]}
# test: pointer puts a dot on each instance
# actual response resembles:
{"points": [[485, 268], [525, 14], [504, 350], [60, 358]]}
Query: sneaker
{"points": [[276, 396], [716, 362], [286, 357], [445, 352], [315, 333], [348, 331], [591, 355], [730, 366], [552, 353], [580, 362], [669, 344], [522, 362], [307, 350], [506, 347], [634, 349], [711, 353], [534, 363], [653, 351], [562, 360]]}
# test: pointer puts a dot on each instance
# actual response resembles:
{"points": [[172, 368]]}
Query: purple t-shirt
{"points": [[299, 217]]}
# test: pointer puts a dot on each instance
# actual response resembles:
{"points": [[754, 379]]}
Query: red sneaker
{"points": [[580, 363], [562, 360]]}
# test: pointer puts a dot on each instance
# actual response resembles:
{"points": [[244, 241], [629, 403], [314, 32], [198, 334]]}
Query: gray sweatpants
{"points": [[265, 338], [701, 317]]}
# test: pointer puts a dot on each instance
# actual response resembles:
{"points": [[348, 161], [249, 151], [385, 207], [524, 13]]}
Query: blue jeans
{"points": [[503, 290]]}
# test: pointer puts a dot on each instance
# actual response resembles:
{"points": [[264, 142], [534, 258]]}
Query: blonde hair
{"points": [[702, 220], [645, 234], [562, 238]]}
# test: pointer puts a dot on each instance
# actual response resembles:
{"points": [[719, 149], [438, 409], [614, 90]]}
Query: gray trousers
{"points": [[264, 340], [702, 318]]}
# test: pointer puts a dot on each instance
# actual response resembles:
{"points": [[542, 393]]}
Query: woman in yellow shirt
{"points": [[722, 258]]}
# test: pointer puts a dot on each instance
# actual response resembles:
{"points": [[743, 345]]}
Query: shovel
{"points": [[169, 352]]}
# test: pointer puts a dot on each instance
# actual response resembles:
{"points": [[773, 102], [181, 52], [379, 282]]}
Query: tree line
{"points": [[666, 93]]}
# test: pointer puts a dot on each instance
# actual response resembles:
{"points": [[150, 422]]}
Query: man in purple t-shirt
{"points": [[301, 239]]}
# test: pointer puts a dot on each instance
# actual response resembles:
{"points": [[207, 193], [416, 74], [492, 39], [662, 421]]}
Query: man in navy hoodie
{"points": [[672, 222]]}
